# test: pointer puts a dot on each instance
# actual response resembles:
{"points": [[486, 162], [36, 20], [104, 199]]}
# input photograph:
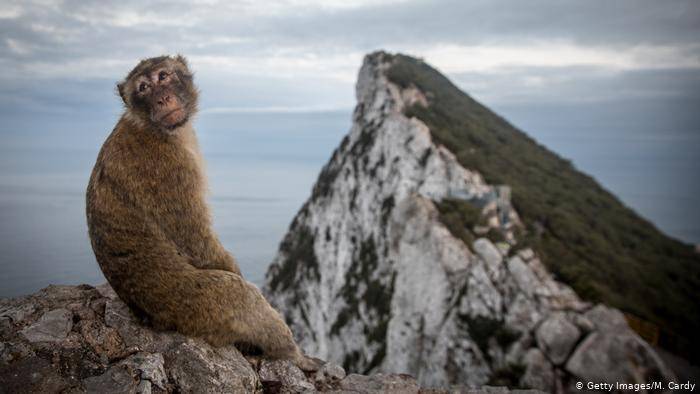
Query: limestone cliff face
{"points": [[371, 277]]}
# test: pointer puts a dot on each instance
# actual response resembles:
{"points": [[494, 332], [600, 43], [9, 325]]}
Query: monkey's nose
{"points": [[165, 100]]}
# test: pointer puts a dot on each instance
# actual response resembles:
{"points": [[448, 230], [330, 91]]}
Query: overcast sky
{"points": [[302, 55]]}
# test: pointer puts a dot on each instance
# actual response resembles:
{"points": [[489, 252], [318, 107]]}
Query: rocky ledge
{"points": [[70, 339]]}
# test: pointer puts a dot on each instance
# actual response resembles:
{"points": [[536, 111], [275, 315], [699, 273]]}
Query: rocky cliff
{"points": [[405, 260], [73, 339]]}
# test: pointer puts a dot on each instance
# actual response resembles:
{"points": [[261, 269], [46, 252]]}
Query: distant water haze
{"points": [[262, 166]]}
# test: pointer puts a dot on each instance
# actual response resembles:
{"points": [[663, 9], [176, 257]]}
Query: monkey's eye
{"points": [[162, 75], [142, 86]]}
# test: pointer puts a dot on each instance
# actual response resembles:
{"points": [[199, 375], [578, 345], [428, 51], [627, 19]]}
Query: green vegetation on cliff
{"points": [[585, 235]]}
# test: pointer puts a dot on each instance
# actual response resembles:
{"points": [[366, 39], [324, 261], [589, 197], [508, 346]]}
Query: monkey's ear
{"points": [[182, 60], [122, 94]]}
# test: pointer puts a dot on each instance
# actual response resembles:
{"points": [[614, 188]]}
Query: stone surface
{"points": [[539, 372], [284, 373], [526, 254], [93, 356], [329, 376], [108, 350], [194, 365], [53, 326], [606, 319], [31, 375], [488, 252], [117, 379], [381, 383], [557, 337], [150, 367], [608, 356]]}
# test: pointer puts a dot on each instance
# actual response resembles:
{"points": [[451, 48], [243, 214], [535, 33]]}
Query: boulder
{"points": [[556, 336], [617, 356], [539, 372], [606, 319]]}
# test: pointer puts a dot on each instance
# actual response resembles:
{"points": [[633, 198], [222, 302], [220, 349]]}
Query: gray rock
{"points": [[523, 313], [526, 254], [284, 373], [107, 291], [144, 387], [492, 390], [52, 326], [488, 251], [133, 333], [31, 375], [329, 375], [148, 366], [196, 367], [117, 379], [583, 323], [539, 373], [17, 313], [106, 341], [138, 373], [10, 351], [556, 336], [606, 319], [616, 356], [380, 383], [56, 296], [522, 274], [6, 326]]}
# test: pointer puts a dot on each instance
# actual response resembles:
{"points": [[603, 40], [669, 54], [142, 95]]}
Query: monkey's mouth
{"points": [[173, 118]]}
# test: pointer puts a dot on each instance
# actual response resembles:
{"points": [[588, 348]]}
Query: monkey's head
{"points": [[160, 92]]}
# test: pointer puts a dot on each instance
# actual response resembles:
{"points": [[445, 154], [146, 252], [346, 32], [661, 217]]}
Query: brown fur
{"points": [[151, 232]]}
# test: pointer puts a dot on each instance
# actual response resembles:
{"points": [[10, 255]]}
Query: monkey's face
{"points": [[160, 92]]}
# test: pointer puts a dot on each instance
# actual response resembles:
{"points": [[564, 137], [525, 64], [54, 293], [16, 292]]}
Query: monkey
{"points": [[150, 226]]}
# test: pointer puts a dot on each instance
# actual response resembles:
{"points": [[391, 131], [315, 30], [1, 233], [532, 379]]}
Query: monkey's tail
{"points": [[224, 309]]}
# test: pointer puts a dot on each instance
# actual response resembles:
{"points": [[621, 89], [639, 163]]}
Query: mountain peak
{"points": [[408, 259]]}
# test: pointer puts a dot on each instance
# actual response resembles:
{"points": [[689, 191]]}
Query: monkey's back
{"points": [[145, 211]]}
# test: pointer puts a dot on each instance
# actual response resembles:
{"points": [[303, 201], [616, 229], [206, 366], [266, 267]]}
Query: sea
{"points": [[262, 166]]}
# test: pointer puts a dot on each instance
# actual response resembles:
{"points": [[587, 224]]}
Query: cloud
{"points": [[486, 58], [279, 54], [580, 85]]}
